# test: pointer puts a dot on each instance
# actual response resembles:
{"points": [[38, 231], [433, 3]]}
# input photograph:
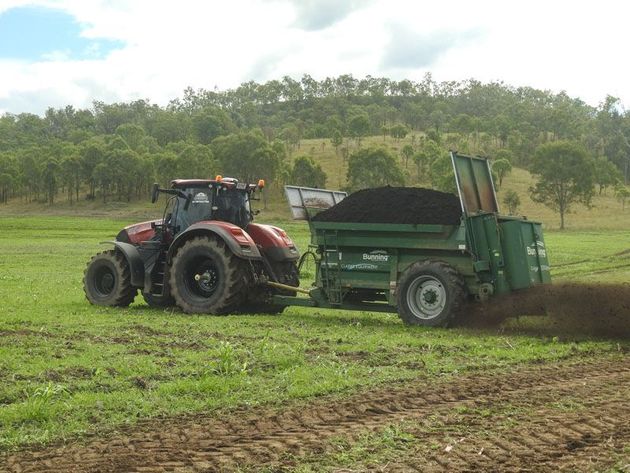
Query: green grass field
{"points": [[69, 368]]}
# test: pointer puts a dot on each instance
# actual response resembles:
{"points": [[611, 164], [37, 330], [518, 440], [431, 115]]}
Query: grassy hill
{"points": [[605, 214]]}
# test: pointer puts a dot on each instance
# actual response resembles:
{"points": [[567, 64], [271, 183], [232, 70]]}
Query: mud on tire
{"points": [[107, 280], [205, 277], [430, 293]]}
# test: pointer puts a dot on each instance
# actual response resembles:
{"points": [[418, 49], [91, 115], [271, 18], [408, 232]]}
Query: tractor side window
{"points": [[200, 208]]}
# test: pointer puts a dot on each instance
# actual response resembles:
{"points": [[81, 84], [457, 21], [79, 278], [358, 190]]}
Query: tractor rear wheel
{"points": [[107, 280], [430, 293], [206, 277]]}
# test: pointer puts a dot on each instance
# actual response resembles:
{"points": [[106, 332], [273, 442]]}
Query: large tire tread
{"points": [[236, 275], [125, 293], [449, 276]]}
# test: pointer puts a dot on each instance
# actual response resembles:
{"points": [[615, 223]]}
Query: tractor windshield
{"points": [[227, 205], [232, 205], [200, 208]]}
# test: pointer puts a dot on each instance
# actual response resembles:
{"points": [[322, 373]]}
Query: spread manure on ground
{"points": [[572, 309]]}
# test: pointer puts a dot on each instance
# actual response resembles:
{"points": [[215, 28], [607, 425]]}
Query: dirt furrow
{"points": [[258, 436]]}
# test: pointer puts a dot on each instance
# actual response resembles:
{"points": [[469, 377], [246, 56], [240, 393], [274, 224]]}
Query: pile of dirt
{"points": [[410, 205], [601, 310]]}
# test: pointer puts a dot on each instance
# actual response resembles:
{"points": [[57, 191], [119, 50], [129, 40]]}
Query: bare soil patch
{"points": [[545, 438]]}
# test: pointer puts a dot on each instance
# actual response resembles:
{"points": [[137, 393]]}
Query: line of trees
{"points": [[117, 150]]}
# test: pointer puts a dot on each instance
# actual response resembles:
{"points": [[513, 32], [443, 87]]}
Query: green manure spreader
{"points": [[426, 272]]}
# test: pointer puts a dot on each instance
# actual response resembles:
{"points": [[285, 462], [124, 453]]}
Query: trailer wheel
{"points": [[206, 277], [107, 280], [430, 293]]}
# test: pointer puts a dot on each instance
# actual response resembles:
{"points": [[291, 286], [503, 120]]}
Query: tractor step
{"points": [[157, 276]]}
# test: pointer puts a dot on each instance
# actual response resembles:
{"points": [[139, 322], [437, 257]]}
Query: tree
{"points": [[91, 154], [8, 176], [406, 152], [291, 135], [441, 172], [167, 126], [336, 140], [565, 177], [428, 150], [71, 175], [6, 184], [606, 174], [166, 167], [385, 131], [50, 174], [502, 167], [307, 173], [30, 173], [196, 162], [209, 123], [512, 201], [102, 176], [399, 131], [131, 134], [359, 126], [246, 155], [373, 167], [622, 193]]}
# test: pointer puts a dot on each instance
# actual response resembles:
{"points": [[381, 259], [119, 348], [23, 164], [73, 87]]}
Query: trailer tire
{"points": [[430, 293], [224, 277], [107, 280]]}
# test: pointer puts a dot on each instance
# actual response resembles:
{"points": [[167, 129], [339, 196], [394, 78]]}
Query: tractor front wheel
{"points": [[430, 293], [206, 277], [107, 280]]}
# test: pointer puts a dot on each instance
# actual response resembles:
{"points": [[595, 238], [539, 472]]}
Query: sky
{"points": [[55, 53]]}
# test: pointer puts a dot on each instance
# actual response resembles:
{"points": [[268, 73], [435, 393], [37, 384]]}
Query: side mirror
{"points": [[155, 193]]}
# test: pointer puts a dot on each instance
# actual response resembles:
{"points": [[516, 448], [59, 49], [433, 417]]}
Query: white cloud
{"points": [[572, 46]]}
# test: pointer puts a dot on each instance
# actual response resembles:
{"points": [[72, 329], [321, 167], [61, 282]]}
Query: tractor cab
{"points": [[195, 200]]}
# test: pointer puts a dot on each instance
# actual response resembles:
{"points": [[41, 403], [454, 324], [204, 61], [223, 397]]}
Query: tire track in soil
{"points": [[264, 436], [534, 436]]}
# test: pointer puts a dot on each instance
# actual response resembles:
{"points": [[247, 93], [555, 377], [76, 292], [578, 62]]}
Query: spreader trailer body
{"points": [[426, 273]]}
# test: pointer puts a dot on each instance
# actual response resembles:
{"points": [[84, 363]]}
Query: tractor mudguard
{"points": [[273, 242], [136, 265], [237, 240]]}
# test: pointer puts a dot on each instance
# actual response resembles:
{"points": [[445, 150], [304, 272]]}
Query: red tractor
{"points": [[205, 255]]}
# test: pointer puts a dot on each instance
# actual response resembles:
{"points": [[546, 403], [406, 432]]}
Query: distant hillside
{"points": [[606, 212], [114, 152]]}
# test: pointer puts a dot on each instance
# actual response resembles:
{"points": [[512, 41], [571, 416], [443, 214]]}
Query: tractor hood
{"points": [[137, 232]]}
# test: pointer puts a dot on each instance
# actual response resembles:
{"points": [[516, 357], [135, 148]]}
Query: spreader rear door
{"points": [[306, 202], [474, 184]]}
